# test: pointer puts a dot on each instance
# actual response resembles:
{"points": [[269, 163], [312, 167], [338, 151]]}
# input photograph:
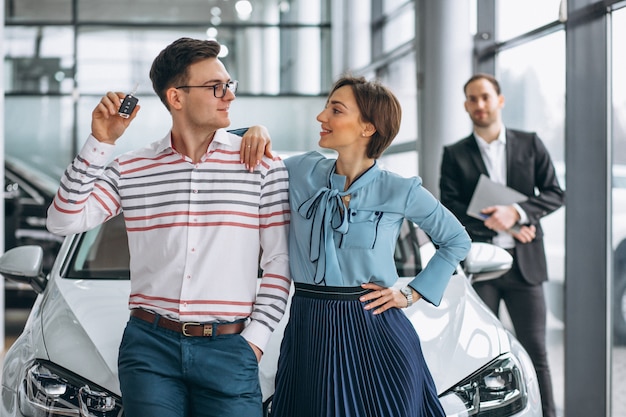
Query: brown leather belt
{"points": [[189, 328]]}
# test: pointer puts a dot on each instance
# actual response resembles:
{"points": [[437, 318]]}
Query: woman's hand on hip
{"points": [[382, 299]]}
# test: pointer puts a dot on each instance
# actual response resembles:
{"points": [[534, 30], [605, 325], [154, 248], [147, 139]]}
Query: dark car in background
{"points": [[27, 194]]}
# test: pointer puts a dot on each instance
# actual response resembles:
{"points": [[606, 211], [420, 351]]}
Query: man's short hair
{"points": [[170, 67], [483, 76]]}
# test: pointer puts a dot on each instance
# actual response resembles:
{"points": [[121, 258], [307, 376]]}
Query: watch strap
{"points": [[408, 293]]}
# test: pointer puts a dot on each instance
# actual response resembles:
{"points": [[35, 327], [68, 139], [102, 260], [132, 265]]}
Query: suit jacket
{"points": [[529, 171]]}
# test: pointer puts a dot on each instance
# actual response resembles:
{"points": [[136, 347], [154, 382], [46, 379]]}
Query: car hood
{"points": [[459, 336], [82, 323]]}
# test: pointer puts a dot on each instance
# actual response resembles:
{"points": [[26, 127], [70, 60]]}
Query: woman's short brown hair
{"points": [[378, 106]]}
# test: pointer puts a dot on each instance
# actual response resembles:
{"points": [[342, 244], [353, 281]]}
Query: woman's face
{"points": [[341, 122]]}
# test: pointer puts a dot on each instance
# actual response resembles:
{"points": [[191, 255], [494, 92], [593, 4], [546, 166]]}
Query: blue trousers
{"points": [[163, 373]]}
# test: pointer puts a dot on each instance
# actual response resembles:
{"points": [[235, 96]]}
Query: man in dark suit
{"points": [[520, 161]]}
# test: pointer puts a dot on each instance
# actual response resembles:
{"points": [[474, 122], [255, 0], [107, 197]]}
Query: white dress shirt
{"points": [[196, 231], [494, 157]]}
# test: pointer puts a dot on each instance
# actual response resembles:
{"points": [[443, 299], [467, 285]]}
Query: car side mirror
{"points": [[24, 264], [486, 261]]}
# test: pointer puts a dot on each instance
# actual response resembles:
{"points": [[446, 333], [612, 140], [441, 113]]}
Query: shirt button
{"points": [[195, 191], [193, 249], [188, 277]]}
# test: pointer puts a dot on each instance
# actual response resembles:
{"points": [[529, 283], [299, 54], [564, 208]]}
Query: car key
{"points": [[128, 104]]}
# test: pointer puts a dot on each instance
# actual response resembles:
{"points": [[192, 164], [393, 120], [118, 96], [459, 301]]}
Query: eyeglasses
{"points": [[219, 90]]}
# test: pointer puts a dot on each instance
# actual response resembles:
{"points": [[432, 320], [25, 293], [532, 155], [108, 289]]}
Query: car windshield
{"points": [[102, 253]]}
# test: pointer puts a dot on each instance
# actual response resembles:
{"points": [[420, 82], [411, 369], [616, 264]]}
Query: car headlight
{"points": [[51, 391], [497, 390]]}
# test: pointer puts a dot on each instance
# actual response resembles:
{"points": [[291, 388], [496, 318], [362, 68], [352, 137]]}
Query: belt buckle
{"points": [[190, 324]]}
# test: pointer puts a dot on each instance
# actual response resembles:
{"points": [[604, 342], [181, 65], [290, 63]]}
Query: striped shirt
{"points": [[196, 232]]}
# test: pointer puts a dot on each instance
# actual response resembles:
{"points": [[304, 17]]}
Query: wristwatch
{"points": [[408, 293]]}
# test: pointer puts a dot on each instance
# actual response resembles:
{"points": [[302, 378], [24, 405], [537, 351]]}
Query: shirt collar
{"points": [[482, 143], [339, 181], [221, 137]]}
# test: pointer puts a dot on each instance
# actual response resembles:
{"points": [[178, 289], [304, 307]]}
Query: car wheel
{"points": [[619, 304]]}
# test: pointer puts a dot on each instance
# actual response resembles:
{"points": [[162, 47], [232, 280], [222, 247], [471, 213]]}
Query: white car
{"points": [[65, 361]]}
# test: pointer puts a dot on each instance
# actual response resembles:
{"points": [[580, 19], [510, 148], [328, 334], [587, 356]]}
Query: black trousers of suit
{"points": [[526, 306]]}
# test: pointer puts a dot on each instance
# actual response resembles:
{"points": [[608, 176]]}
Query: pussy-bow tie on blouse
{"points": [[329, 214]]}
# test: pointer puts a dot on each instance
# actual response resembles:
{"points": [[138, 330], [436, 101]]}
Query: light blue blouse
{"points": [[329, 245]]}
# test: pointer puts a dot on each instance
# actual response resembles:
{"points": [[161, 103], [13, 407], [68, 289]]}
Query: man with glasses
{"points": [[198, 221], [219, 90]]}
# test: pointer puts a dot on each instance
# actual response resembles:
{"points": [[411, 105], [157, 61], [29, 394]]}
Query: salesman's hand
{"points": [[501, 218], [106, 125], [526, 234], [254, 143]]}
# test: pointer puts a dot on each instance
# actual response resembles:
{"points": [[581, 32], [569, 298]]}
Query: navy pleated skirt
{"points": [[338, 359]]}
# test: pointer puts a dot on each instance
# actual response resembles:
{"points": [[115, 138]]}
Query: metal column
{"points": [[588, 249]]}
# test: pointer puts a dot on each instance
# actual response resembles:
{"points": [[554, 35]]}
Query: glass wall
{"points": [[530, 62], [399, 76], [532, 77], [179, 12], [39, 59], [514, 18], [60, 60], [394, 63]]}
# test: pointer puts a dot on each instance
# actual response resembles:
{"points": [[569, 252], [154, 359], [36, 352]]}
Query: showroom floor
{"points": [[15, 319]]}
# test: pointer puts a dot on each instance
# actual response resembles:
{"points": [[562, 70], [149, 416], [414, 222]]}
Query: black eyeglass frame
{"points": [[231, 85]]}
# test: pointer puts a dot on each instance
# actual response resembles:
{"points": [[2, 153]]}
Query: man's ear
{"points": [[174, 98], [501, 100]]}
